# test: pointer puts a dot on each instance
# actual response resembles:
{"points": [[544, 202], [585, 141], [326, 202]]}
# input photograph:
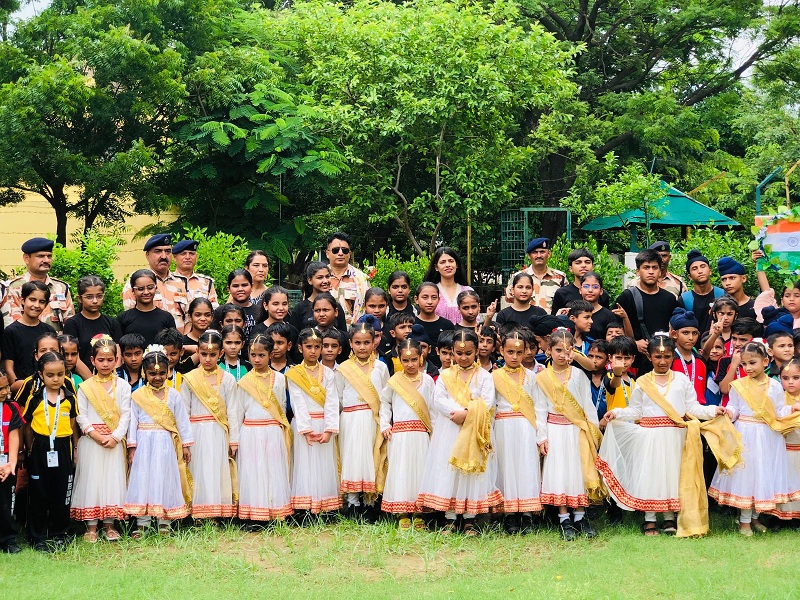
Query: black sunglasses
{"points": [[340, 250]]}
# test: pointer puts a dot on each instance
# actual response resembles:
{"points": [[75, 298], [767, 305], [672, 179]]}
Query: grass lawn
{"points": [[345, 560]]}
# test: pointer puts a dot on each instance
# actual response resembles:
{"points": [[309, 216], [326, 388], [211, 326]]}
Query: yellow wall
{"points": [[34, 217]]}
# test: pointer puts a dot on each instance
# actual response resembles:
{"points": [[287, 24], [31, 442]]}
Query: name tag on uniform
{"points": [[3, 459], [713, 386], [52, 459]]}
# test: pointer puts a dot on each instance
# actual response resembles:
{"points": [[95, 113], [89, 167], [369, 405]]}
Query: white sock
{"points": [[450, 515], [352, 499], [650, 517], [669, 515], [562, 518], [143, 521], [527, 514], [578, 515], [91, 522]]}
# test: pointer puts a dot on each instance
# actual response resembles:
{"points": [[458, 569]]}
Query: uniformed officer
{"points": [[197, 285], [171, 295], [37, 253], [546, 280]]}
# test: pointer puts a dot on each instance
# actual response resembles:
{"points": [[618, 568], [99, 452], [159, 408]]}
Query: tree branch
{"points": [[613, 143]]}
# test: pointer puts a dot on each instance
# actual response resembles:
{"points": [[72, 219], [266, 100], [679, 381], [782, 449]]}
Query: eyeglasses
{"points": [[590, 286], [340, 249], [91, 297], [144, 288]]}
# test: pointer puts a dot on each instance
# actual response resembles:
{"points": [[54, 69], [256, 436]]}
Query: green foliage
{"points": [[93, 254], [386, 262], [217, 255], [606, 265]]}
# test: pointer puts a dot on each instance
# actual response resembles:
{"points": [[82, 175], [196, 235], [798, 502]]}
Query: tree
{"points": [[426, 101]]}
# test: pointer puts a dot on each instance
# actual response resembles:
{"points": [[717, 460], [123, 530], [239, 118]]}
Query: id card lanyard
{"points": [[54, 430]]}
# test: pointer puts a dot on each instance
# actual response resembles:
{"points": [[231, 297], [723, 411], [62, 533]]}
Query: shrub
{"points": [[388, 262], [218, 255]]}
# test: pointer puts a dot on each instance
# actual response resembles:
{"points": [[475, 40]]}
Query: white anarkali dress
{"points": [[263, 459], [100, 477], [357, 431], [443, 486], [516, 442], [408, 447], [315, 471], [640, 457], [210, 466], [562, 474], [791, 510], [764, 478], [154, 485]]}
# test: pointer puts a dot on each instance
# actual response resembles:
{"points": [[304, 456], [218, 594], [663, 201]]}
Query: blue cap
{"points": [[729, 266], [682, 318], [784, 323], [161, 239], [184, 245], [371, 320], [537, 243], [693, 257], [659, 246], [37, 244], [419, 334]]}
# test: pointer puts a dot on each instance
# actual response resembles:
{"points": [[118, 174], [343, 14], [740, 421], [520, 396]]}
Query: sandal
{"points": [[137, 533], [404, 523], [90, 536], [649, 528], [112, 535], [419, 524], [448, 528], [164, 529], [469, 530], [669, 527], [746, 532], [758, 526]]}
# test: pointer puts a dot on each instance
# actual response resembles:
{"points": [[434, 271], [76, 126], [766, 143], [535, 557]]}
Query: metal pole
{"points": [[469, 249], [761, 185]]}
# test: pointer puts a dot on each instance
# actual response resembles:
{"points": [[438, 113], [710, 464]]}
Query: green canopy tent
{"points": [[674, 209]]}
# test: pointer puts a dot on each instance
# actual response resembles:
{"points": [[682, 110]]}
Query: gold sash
{"points": [[590, 437], [474, 441], [261, 391], [762, 407], [411, 396], [723, 439], [102, 402], [314, 389], [365, 389], [163, 417], [216, 405], [508, 388]]}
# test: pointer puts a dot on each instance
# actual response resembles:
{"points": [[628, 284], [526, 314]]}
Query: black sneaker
{"points": [[12, 548], [527, 524], [568, 531], [41, 547], [511, 523], [586, 528]]}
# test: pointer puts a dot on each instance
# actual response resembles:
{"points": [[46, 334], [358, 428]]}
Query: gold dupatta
{"points": [[104, 404], [216, 405], [362, 384], [411, 396], [298, 375], [474, 442], [590, 437], [162, 416], [260, 389], [723, 439], [762, 407], [510, 389]]}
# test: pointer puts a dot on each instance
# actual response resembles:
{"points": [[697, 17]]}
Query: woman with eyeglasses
{"points": [[591, 288], [90, 322], [521, 309], [145, 318]]}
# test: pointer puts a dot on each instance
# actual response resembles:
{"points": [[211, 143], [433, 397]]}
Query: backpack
{"points": [[688, 298]]}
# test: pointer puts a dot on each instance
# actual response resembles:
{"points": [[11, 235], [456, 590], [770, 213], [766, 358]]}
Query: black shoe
{"points": [[568, 531], [511, 523], [527, 524], [586, 528], [12, 548], [41, 547]]}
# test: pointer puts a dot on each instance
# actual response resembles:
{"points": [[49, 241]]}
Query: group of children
{"points": [[405, 413]]}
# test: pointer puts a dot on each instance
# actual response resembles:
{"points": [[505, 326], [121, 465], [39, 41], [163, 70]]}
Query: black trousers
{"points": [[49, 490], [8, 525]]}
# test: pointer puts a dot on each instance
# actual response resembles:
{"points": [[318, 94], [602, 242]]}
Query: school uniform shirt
{"points": [[569, 293], [11, 421], [85, 329], [696, 371], [123, 374], [32, 385], [722, 371], [599, 397], [748, 309], [522, 317], [147, 324], [408, 310], [713, 393], [620, 396], [35, 415], [433, 329], [302, 316], [600, 320], [19, 343]]}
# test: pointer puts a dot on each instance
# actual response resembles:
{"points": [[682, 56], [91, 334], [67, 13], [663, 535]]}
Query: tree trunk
{"points": [[552, 175], [59, 204]]}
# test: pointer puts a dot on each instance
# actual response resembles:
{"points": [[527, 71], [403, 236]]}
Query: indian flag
{"points": [[782, 238]]}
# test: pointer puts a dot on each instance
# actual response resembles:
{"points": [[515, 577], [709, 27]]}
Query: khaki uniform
{"points": [[671, 282], [170, 296], [544, 287], [54, 314], [198, 286], [349, 290]]}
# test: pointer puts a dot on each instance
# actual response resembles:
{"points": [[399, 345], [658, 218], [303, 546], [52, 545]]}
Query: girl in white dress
{"points": [[641, 454], [520, 434], [569, 479], [313, 396], [104, 413], [208, 394], [359, 380], [764, 479], [790, 380], [159, 442], [460, 472], [265, 438], [406, 424]]}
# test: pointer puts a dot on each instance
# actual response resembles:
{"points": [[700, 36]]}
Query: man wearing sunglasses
{"points": [[349, 285], [171, 294], [580, 262]]}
